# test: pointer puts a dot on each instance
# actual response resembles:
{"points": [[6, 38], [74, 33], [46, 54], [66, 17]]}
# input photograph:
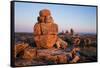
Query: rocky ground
{"points": [[34, 56], [30, 55]]}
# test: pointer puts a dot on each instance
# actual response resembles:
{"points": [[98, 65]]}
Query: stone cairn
{"points": [[45, 30]]}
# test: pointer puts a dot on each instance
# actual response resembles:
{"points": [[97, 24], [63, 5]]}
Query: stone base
{"points": [[35, 56]]}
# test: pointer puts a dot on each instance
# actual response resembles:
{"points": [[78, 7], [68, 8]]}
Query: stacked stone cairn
{"points": [[45, 30]]}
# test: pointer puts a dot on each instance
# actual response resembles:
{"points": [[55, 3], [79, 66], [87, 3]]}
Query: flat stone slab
{"points": [[45, 57]]}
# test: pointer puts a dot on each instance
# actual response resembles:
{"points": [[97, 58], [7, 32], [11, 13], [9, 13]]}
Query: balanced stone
{"points": [[45, 12]]}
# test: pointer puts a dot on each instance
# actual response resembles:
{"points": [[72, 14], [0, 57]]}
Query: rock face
{"points": [[19, 48], [52, 55], [45, 30]]}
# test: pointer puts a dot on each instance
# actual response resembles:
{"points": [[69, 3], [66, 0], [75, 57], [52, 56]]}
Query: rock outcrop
{"points": [[45, 30]]}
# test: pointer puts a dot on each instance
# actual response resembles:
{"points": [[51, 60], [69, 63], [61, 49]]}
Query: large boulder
{"points": [[24, 51], [45, 29], [45, 41], [19, 48]]}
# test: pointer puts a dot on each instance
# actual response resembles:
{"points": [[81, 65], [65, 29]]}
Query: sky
{"points": [[80, 18]]}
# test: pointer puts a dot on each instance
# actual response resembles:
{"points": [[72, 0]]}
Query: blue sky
{"points": [[80, 18]]}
